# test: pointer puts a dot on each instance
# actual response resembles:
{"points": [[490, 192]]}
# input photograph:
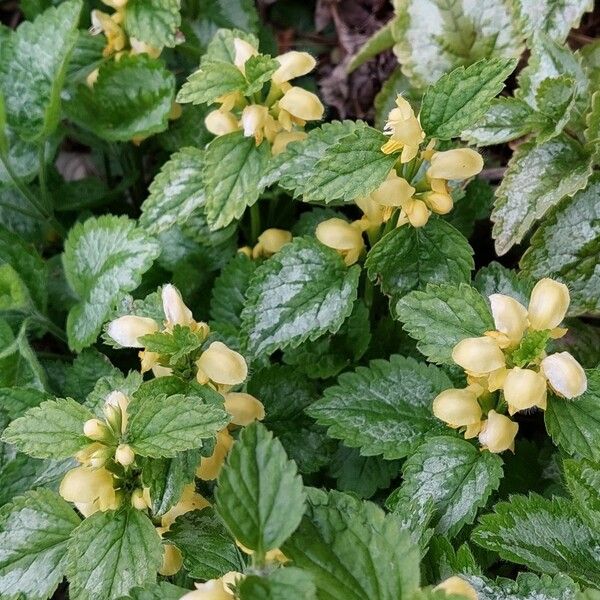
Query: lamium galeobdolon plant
{"points": [[254, 352]]}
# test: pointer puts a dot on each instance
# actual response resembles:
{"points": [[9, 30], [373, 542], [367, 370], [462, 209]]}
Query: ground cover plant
{"points": [[299, 301]]}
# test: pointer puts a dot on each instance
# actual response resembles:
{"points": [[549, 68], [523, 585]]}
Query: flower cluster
{"points": [[118, 42], [419, 185], [279, 117], [512, 360]]}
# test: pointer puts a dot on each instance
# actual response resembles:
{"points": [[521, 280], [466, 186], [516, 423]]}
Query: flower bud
{"points": [[548, 304], [457, 408], [524, 388], [440, 204], [253, 120], [417, 212], [302, 104], [243, 51], [221, 365], [498, 433], [457, 585], [190, 500], [124, 455], [213, 589], [459, 163], [394, 191], [220, 122], [283, 138], [342, 236], [244, 408], [291, 65], [210, 466], [564, 374], [510, 316], [138, 499], [176, 312], [272, 240], [97, 430], [172, 562], [127, 330], [478, 355]]}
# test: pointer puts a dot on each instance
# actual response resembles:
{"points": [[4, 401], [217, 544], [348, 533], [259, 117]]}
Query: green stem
{"points": [[42, 175], [52, 328], [30, 197], [254, 222]]}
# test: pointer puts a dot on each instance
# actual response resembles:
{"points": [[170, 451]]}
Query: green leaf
{"points": [[546, 535], [550, 59], [443, 315], [34, 531], [161, 425], [460, 98], [380, 41], [132, 97], [228, 293], [207, 548], [104, 258], [353, 167], [166, 478], [259, 494], [289, 168], [112, 552], [54, 429], [408, 258], [176, 192], [592, 131], [16, 401], [221, 46], [258, 70], [471, 205], [555, 98], [553, 17], [537, 178], [453, 473], [19, 365], [156, 591], [300, 293], [583, 481], [33, 70], [353, 550], [505, 119], [567, 247], [176, 344], [527, 586], [212, 80], [383, 409], [83, 375], [281, 584], [574, 425], [435, 36], [153, 21], [233, 167]]}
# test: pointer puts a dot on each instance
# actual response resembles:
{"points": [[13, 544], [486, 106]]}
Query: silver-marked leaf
{"points": [[154, 22]]}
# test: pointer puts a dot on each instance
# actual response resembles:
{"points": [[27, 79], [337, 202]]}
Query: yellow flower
{"points": [[458, 408], [127, 330], [548, 304], [116, 40], [254, 119], [214, 589], [140, 499], [243, 51], [524, 388], [439, 198], [300, 104], [221, 122], [394, 191], [210, 466], [89, 489], [498, 433], [404, 130], [342, 236], [139, 47], [275, 555], [291, 65], [478, 356], [243, 408], [457, 585], [271, 241], [373, 211], [176, 312], [190, 500], [221, 365], [116, 4], [172, 561], [283, 138], [510, 317], [459, 163], [415, 212], [564, 374]]}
